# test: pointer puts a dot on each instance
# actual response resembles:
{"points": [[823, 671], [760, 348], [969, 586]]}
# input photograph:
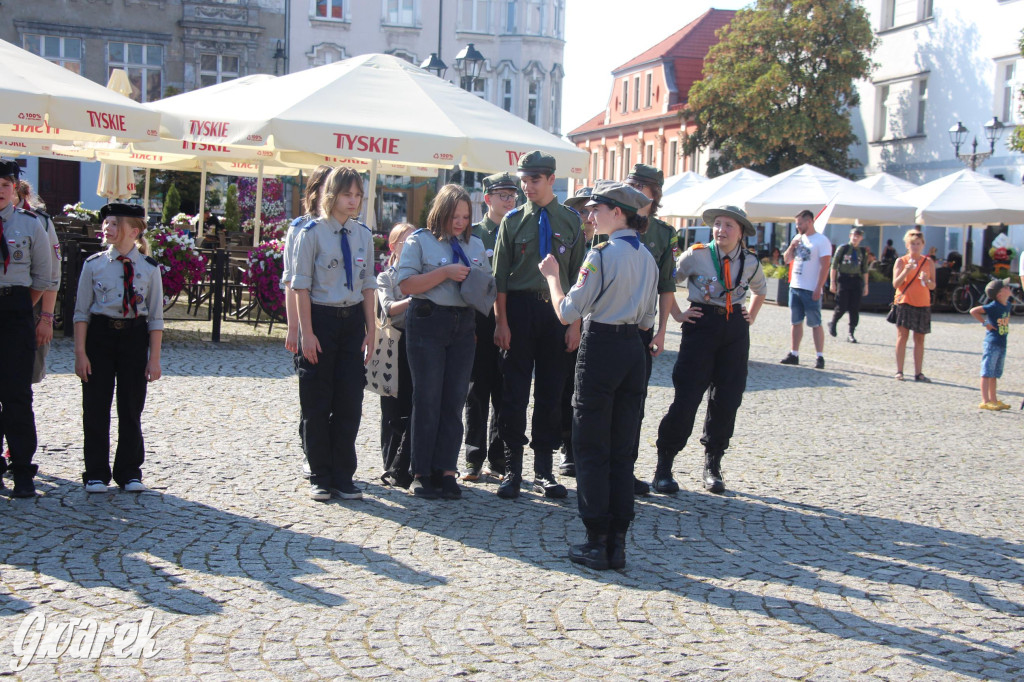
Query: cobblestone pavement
{"points": [[871, 530]]}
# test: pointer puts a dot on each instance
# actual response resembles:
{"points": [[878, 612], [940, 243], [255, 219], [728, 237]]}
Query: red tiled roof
{"points": [[692, 41], [593, 123]]}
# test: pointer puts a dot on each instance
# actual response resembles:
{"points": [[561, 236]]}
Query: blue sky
{"points": [[602, 34]]}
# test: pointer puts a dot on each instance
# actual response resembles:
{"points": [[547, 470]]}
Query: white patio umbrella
{"points": [[686, 202], [39, 99], [807, 187], [116, 183], [373, 107], [887, 184], [680, 181], [30, 147], [964, 199]]}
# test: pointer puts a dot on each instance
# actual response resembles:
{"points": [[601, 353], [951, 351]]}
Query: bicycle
{"points": [[970, 294]]}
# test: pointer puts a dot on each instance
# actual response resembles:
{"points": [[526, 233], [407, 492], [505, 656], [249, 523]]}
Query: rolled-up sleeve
{"points": [[41, 268], [155, 301], [584, 292], [412, 259], [83, 301], [370, 280], [55, 263], [305, 255], [758, 285]]}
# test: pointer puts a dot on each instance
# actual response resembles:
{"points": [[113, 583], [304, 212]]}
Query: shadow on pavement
{"points": [[141, 543]]}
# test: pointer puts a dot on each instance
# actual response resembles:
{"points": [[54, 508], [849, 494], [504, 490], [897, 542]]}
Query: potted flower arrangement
{"points": [[78, 212], [180, 261], [269, 231], [776, 278], [1001, 257], [263, 277]]}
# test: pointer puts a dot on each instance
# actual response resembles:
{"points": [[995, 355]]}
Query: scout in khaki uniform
{"points": [[483, 441], [526, 327], [616, 294], [715, 345], [119, 322], [26, 262]]}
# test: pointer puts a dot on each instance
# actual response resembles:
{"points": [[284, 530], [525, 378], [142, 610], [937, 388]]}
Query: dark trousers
{"points": [[395, 412], [606, 415], [440, 346], [567, 414], [482, 439], [331, 394], [646, 338], [713, 353], [538, 343], [848, 295], [117, 357], [17, 351]]}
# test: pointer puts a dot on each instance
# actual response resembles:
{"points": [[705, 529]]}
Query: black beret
{"points": [[9, 169], [127, 210]]}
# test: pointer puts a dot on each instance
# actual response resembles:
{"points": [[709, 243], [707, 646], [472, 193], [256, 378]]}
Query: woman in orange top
{"points": [[913, 276]]}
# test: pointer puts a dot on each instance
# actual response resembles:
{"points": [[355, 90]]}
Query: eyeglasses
{"points": [[504, 196]]}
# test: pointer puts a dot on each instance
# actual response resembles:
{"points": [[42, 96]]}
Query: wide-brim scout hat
{"points": [[492, 183], [734, 212], [9, 169], [125, 210], [535, 163], [581, 197], [648, 175], [618, 194]]}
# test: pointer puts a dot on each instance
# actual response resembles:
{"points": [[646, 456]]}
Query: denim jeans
{"points": [[440, 345]]}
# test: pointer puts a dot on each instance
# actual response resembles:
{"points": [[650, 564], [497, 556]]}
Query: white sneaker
{"points": [[320, 493], [135, 486], [95, 487]]}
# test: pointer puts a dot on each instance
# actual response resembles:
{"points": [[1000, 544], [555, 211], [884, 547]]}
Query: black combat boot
{"points": [[24, 486], [594, 552], [509, 487], [663, 482], [568, 465], [713, 472], [543, 479], [617, 544]]}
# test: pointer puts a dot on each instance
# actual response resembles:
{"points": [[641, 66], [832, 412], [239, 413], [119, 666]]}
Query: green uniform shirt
{"points": [[487, 231], [661, 240], [850, 260], [517, 248]]}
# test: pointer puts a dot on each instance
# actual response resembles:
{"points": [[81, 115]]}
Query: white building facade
{"points": [[522, 41], [940, 62]]}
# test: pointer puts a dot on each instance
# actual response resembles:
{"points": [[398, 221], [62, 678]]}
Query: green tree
{"points": [[1016, 141], [172, 204], [232, 217], [213, 198], [778, 87], [187, 184]]}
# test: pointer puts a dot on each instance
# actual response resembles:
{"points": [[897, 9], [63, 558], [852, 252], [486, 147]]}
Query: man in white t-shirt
{"points": [[808, 257]]}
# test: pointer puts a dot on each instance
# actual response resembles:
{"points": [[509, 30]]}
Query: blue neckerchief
{"points": [[544, 233], [457, 253], [631, 240], [346, 255]]}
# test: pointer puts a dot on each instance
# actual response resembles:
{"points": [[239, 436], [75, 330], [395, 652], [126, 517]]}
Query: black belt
{"points": [[717, 309], [430, 305], [13, 290], [592, 326], [336, 311], [120, 323], [535, 295]]}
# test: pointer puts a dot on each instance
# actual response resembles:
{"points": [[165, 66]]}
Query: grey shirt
{"points": [[101, 288], [617, 284], [320, 267], [388, 293], [291, 239], [31, 257], [703, 284], [423, 253]]}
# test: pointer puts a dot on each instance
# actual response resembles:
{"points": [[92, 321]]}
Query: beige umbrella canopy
{"points": [[886, 184], [116, 183], [687, 202]]}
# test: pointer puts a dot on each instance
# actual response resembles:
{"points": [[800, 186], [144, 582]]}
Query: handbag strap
{"points": [[907, 285]]}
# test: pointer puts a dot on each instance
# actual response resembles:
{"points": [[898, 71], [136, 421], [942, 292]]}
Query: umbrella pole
{"points": [[371, 196], [145, 196], [259, 206], [202, 200]]}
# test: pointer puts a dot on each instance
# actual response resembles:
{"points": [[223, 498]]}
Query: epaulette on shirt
{"points": [[310, 224], [95, 256], [699, 246], [515, 210], [574, 211], [151, 261], [298, 221], [601, 245], [27, 212], [367, 228], [419, 230]]}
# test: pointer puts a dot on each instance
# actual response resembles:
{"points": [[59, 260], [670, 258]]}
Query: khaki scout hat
{"points": [[535, 162], [618, 194], [581, 197], [492, 183], [648, 175], [734, 212]]}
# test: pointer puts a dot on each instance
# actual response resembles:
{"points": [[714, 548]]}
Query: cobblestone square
{"points": [[871, 531]]}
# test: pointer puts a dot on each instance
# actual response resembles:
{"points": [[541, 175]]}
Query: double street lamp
{"points": [[958, 135], [468, 65]]}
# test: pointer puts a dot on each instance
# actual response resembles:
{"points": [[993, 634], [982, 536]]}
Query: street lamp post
{"points": [[957, 136], [468, 63]]}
